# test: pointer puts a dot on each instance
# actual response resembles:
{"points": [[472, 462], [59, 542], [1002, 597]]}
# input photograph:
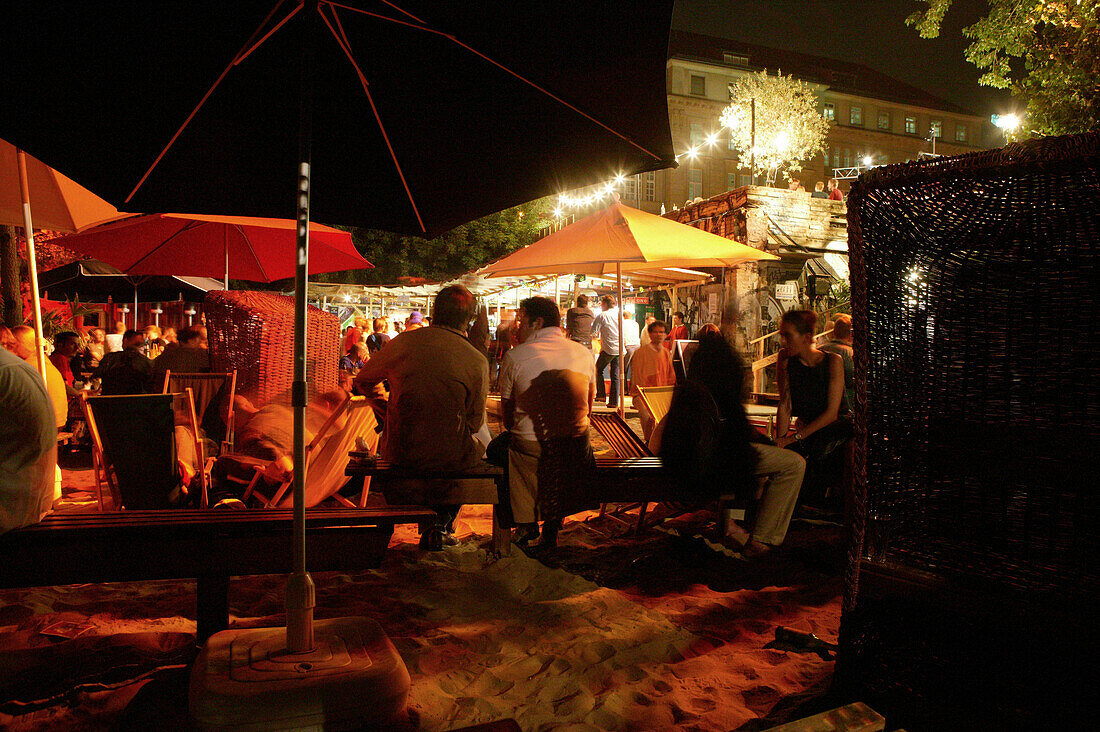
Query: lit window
{"points": [[650, 179], [884, 120], [960, 133], [732, 146], [855, 116], [847, 158], [695, 184], [829, 111], [937, 129], [630, 187], [731, 181], [734, 59], [699, 85], [910, 125], [836, 156], [744, 180], [697, 137]]}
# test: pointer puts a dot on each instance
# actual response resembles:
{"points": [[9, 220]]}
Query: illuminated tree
{"points": [[1046, 51], [789, 128]]}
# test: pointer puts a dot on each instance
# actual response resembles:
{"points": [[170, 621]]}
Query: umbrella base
{"points": [[353, 679]]}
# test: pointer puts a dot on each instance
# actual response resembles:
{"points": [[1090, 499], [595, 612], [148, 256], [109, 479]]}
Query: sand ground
{"points": [[609, 632]]}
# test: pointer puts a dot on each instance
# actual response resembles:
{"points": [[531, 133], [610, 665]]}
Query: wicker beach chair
{"points": [[326, 459], [251, 333], [972, 575]]}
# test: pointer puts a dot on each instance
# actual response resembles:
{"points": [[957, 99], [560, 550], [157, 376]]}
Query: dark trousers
{"points": [[601, 363]]}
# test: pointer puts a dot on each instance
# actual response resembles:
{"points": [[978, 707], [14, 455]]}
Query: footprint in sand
{"points": [[526, 668], [598, 652], [661, 687], [634, 673], [703, 704]]}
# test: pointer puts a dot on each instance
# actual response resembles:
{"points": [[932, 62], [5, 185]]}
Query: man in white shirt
{"points": [[632, 338], [606, 326], [547, 384]]}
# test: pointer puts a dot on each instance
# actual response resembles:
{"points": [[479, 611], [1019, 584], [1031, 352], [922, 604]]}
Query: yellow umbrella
{"points": [[620, 238], [60, 204]]}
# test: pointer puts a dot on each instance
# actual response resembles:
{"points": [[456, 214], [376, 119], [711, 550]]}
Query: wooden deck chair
{"points": [[135, 438], [217, 389], [658, 400], [100, 469], [326, 458]]}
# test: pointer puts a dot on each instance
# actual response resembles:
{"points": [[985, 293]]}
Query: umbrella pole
{"points": [[28, 232], [300, 592], [225, 244], [622, 348], [135, 308]]}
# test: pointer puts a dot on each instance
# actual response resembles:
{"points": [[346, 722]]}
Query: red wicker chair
{"points": [[252, 333]]}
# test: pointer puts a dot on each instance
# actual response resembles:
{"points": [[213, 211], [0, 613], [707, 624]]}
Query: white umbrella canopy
{"points": [[621, 239]]}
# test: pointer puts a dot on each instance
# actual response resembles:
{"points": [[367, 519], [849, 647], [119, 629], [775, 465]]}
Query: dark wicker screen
{"points": [[253, 332], [979, 282], [976, 305]]}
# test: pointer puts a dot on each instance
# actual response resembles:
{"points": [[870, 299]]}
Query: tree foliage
{"points": [[1047, 52], [789, 128], [460, 250]]}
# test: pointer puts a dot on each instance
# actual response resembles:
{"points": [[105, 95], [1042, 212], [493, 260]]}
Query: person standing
{"points": [[652, 366], [438, 385], [649, 319], [28, 445], [632, 338], [114, 340], [679, 330], [378, 338], [606, 325], [578, 322], [547, 385]]}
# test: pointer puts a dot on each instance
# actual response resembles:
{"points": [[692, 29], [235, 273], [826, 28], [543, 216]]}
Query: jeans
{"points": [[602, 363]]}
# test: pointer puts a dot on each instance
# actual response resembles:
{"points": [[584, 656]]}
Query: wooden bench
{"points": [[206, 544], [380, 472]]}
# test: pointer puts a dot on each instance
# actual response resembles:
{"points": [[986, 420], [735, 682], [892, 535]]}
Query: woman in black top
{"points": [[811, 390]]}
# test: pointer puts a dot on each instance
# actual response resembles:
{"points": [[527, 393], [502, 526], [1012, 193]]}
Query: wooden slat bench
{"points": [[206, 544], [380, 472]]}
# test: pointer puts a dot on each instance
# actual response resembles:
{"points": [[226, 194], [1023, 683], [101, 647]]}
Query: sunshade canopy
{"points": [[428, 113], [638, 240], [93, 281], [197, 245], [58, 204]]}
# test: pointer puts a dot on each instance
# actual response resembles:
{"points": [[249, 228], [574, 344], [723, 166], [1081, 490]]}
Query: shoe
{"points": [[431, 540], [449, 539]]}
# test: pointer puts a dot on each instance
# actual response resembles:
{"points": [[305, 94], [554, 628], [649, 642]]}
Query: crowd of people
{"points": [[430, 380]]}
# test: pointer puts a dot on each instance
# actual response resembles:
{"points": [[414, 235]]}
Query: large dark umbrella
{"points": [[90, 280], [427, 113]]}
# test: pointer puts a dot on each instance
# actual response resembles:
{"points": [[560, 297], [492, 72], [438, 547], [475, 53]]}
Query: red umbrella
{"points": [[213, 246]]}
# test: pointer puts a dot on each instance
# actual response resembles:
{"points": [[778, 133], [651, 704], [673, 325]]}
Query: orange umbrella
{"points": [[59, 205], [621, 239]]}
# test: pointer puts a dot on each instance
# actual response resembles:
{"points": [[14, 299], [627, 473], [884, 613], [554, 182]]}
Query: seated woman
{"points": [[811, 390], [707, 440]]}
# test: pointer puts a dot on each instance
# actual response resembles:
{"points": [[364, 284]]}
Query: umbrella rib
{"points": [[342, 41], [187, 225], [500, 66], [252, 251], [236, 60]]}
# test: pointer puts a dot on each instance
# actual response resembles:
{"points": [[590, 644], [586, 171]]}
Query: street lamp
{"points": [[1009, 123]]}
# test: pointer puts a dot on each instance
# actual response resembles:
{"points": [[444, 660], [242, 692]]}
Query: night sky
{"points": [[870, 32]]}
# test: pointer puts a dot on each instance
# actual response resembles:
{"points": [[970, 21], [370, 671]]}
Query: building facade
{"points": [[871, 116]]}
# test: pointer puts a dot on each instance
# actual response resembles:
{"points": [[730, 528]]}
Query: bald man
{"points": [[23, 336]]}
